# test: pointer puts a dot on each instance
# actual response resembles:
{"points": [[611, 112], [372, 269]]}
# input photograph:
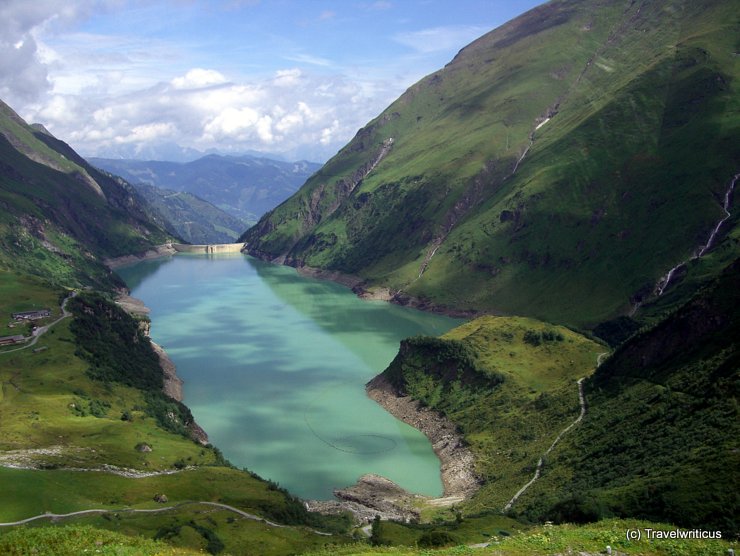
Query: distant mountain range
{"points": [[171, 152], [244, 186]]}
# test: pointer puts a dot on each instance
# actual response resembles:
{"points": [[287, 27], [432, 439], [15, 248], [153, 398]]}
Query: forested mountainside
{"points": [[61, 216], [244, 186], [558, 167]]}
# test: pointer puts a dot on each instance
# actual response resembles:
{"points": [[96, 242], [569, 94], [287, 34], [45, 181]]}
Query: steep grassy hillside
{"points": [[660, 440], [243, 186], [659, 436], [193, 219], [556, 168], [510, 386], [59, 215]]}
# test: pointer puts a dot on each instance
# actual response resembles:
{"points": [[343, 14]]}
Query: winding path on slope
{"points": [[582, 399], [48, 515], [541, 461], [247, 515]]}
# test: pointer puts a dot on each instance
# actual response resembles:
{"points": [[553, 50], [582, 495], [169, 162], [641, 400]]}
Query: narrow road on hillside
{"points": [[540, 463], [247, 515], [44, 329], [23, 459]]}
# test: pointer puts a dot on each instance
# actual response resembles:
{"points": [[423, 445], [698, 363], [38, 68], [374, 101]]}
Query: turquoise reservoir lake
{"points": [[275, 365]]}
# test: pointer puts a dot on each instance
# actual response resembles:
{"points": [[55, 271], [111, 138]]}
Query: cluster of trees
{"points": [[103, 333], [534, 338], [291, 510]]}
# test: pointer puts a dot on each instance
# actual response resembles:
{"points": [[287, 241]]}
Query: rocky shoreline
{"points": [[459, 479], [374, 495], [165, 250], [347, 280], [358, 287], [137, 308], [406, 300], [172, 383]]}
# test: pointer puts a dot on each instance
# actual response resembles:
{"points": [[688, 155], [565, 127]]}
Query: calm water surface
{"points": [[275, 364]]}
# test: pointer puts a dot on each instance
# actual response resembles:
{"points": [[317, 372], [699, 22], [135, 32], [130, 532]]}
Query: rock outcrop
{"points": [[172, 382], [372, 496]]}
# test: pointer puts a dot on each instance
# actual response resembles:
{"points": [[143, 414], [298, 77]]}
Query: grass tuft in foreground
{"points": [[76, 540]]}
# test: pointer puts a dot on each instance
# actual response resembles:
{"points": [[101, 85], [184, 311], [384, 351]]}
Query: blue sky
{"points": [[144, 79]]}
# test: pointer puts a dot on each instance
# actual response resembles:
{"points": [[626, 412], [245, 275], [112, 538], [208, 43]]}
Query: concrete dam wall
{"points": [[215, 248]]}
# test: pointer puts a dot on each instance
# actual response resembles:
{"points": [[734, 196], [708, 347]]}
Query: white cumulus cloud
{"points": [[198, 77], [147, 132], [231, 122], [201, 109], [24, 73], [122, 92]]}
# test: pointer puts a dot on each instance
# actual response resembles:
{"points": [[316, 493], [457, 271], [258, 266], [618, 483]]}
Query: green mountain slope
{"points": [[658, 438], [190, 217], [60, 216], [508, 383], [556, 168], [244, 186]]}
